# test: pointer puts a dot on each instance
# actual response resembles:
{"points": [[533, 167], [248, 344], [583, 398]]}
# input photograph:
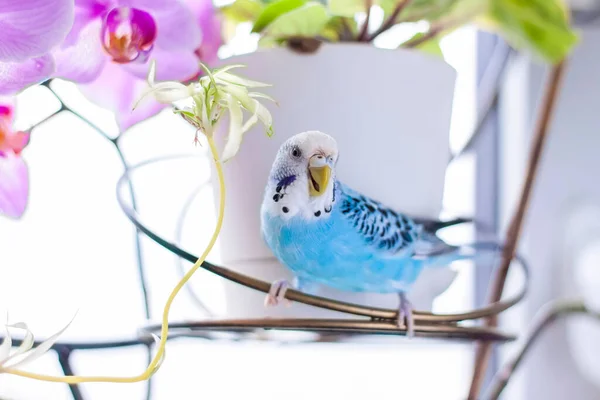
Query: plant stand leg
{"points": [[483, 350]]}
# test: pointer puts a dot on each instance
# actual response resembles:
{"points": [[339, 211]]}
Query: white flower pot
{"points": [[389, 111]]}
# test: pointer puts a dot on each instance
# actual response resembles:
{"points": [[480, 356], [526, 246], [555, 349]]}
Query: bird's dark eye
{"points": [[296, 153]]}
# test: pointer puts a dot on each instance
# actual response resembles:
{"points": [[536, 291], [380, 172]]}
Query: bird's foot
{"points": [[405, 315], [277, 293]]}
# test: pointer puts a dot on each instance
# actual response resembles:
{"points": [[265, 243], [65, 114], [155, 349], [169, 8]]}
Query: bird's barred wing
{"points": [[379, 226], [387, 230]]}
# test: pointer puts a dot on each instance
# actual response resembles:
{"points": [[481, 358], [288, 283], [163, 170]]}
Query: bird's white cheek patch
{"points": [[284, 208], [288, 201]]}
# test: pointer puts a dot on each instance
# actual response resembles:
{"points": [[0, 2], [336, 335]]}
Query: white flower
{"points": [[215, 93], [165, 92], [25, 353]]}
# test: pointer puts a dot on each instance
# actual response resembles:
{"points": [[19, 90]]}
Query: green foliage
{"points": [[541, 27], [340, 29], [308, 20], [274, 10], [346, 8], [412, 10], [417, 10], [430, 46], [243, 10]]}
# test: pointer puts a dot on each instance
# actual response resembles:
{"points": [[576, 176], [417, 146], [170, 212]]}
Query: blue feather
{"points": [[363, 246]]}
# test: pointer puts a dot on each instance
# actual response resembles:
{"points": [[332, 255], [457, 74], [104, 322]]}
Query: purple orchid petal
{"points": [[14, 185], [16, 76], [6, 111], [18, 141], [177, 27], [117, 90], [86, 11], [31, 28], [170, 65], [83, 61], [210, 24], [155, 5], [10, 141], [127, 32], [7, 106], [95, 6]]}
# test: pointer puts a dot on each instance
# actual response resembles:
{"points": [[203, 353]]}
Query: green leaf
{"points": [[417, 10], [346, 8], [274, 10], [340, 29], [541, 26], [269, 42], [412, 10], [431, 46], [306, 21], [242, 10]]}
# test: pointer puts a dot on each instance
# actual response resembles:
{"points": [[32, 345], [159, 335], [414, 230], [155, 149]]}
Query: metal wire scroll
{"points": [[362, 320], [381, 321]]}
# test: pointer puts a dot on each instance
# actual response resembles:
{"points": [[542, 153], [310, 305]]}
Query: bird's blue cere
{"points": [[328, 234]]}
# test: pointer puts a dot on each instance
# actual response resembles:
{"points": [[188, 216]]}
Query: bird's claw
{"points": [[277, 293], [405, 313]]}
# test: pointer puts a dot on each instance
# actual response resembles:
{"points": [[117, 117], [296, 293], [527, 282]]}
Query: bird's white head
{"points": [[302, 179]]}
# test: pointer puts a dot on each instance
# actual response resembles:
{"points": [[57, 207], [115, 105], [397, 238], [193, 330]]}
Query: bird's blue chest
{"points": [[329, 252], [302, 245]]}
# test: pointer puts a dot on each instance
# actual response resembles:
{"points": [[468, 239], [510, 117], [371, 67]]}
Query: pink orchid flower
{"points": [[29, 29], [111, 43], [14, 178], [210, 24]]}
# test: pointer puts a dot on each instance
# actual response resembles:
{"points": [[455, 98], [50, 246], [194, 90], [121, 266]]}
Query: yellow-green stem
{"points": [[165, 321]]}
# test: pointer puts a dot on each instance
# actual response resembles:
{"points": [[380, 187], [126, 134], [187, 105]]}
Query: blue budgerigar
{"points": [[328, 234]]}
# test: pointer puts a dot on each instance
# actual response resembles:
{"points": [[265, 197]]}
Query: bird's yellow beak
{"points": [[319, 174]]}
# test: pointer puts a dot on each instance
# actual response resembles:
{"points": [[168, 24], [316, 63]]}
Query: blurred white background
{"points": [[74, 251]]}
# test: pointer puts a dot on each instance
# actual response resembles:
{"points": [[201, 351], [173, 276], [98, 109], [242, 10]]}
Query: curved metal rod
{"points": [[91, 345], [546, 317], [64, 358], [294, 295], [380, 327]]}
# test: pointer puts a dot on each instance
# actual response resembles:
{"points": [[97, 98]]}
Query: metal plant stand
{"points": [[361, 321], [367, 320]]}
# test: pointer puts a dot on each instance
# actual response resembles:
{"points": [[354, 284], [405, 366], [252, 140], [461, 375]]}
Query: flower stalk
{"points": [[160, 353], [214, 94]]}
